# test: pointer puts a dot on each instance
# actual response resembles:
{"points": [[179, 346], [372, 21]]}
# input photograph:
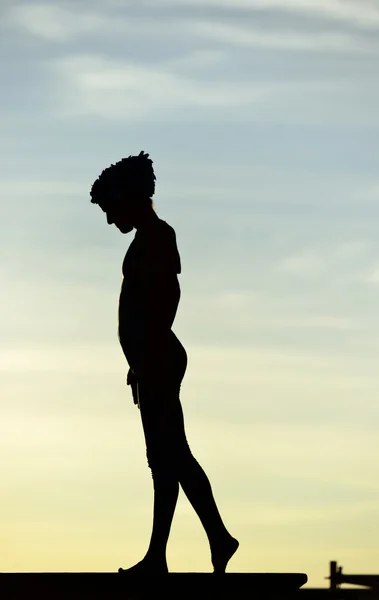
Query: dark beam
{"points": [[54, 586]]}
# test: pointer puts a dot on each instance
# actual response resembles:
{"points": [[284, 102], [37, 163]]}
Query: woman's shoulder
{"points": [[162, 234], [164, 248], [166, 228]]}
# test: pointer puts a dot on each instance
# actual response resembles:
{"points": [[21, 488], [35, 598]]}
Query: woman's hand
{"points": [[132, 380], [131, 377]]}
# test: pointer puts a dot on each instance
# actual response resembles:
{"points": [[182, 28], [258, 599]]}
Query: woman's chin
{"points": [[125, 228]]}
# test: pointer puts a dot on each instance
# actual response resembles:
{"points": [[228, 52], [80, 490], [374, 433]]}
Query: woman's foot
{"points": [[222, 553], [146, 567]]}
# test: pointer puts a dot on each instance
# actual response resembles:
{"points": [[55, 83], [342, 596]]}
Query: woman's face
{"points": [[117, 213]]}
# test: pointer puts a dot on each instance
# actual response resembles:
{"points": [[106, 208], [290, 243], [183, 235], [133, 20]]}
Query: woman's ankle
{"points": [[155, 557]]}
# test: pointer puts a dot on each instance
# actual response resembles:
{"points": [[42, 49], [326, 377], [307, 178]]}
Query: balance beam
{"points": [[53, 586]]}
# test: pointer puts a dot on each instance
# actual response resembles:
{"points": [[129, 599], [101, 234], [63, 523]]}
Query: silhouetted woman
{"points": [[148, 303]]}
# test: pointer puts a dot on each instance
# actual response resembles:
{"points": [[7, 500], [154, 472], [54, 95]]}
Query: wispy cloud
{"points": [[95, 85], [67, 22], [341, 258], [249, 37], [198, 59], [39, 187], [116, 89], [92, 82], [363, 13], [304, 263], [371, 276], [61, 23]]}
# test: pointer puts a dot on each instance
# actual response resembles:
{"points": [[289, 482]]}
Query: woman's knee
{"points": [[170, 458]]}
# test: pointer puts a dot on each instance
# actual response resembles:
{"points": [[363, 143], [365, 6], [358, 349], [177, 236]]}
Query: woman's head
{"points": [[125, 189]]}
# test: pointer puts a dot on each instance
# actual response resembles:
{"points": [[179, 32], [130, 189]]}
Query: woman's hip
{"points": [[170, 364]]}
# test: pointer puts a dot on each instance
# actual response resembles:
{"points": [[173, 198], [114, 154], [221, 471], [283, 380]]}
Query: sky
{"points": [[261, 118]]}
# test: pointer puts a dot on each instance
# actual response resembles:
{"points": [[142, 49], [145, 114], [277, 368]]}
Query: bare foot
{"points": [[222, 553], [146, 567]]}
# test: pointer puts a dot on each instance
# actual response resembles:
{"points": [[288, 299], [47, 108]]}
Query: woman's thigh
{"points": [[160, 407], [162, 413], [163, 425]]}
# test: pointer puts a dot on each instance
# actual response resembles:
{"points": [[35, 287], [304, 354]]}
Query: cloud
{"points": [[63, 22], [368, 195], [338, 257], [198, 59], [94, 85], [66, 358], [248, 37], [39, 187], [310, 322], [305, 263], [213, 67], [57, 23], [361, 13], [372, 277]]}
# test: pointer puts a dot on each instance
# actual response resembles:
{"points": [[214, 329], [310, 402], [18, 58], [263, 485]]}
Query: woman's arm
{"points": [[161, 293], [160, 290]]}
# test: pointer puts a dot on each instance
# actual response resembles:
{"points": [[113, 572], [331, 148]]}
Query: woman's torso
{"points": [[157, 244]]}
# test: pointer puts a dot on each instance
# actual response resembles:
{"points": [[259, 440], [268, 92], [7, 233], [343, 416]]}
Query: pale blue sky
{"points": [[261, 119]]}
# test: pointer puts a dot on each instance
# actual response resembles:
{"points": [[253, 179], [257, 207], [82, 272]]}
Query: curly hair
{"points": [[134, 174]]}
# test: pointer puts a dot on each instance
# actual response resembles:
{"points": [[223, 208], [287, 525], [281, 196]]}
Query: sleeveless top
{"points": [[153, 250]]}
